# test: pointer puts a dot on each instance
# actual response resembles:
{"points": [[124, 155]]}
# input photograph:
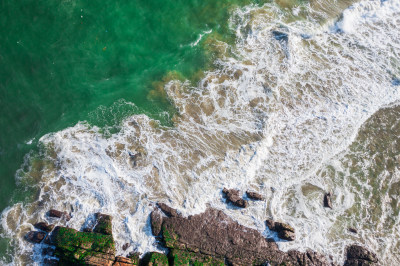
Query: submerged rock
{"points": [[254, 195], [35, 236], [284, 231], [358, 255], [59, 214], [104, 224], [328, 200], [156, 220], [44, 226], [232, 195], [353, 230]]}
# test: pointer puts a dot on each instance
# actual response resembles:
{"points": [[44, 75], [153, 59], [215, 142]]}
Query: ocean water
{"points": [[287, 98]]}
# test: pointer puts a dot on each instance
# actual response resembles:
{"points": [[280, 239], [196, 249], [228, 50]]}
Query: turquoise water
{"points": [[68, 61]]}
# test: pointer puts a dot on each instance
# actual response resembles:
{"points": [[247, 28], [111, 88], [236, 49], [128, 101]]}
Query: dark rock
{"points": [[35, 236], [135, 257], [156, 220], [122, 261], [170, 212], [358, 255], [50, 262], [126, 246], [87, 230], [353, 230], [44, 226], [59, 214], [280, 36], [328, 200], [284, 231], [48, 251], [310, 257], [182, 257], [154, 258], [215, 234], [232, 195], [104, 224], [254, 195]]}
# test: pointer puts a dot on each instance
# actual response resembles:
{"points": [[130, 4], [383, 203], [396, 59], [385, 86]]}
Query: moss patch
{"points": [[181, 257]]}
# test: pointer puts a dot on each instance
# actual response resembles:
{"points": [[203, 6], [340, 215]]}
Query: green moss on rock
{"points": [[154, 258], [104, 224]]}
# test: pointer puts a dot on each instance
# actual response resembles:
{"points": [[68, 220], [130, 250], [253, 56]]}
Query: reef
{"points": [[210, 238]]}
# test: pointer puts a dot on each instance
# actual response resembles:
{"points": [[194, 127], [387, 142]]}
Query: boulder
{"points": [[126, 246], [328, 200], [44, 226], [156, 220], [353, 230], [215, 234], [284, 231], [103, 224], [35, 236], [59, 214], [154, 259], [254, 195], [170, 212], [122, 261], [232, 195], [358, 255]]}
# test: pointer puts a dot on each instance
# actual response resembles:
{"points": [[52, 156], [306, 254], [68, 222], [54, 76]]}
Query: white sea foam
{"points": [[275, 115]]}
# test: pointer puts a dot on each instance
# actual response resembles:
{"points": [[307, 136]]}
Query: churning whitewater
{"points": [[280, 114]]}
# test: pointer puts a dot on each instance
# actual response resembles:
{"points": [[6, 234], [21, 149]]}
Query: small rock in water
{"points": [[254, 195], [233, 196], [353, 230], [44, 226], [328, 200], [284, 231], [59, 214], [126, 246], [35, 236], [358, 255], [104, 224]]}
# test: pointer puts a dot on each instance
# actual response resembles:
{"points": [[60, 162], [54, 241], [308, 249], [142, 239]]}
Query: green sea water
{"points": [[67, 61]]}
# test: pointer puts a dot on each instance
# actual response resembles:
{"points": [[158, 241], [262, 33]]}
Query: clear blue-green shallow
{"points": [[67, 61]]}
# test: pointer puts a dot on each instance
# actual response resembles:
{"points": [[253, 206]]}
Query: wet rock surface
{"points": [[156, 222], [284, 231], [232, 195], [44, 226], [215, 234], [170, 212], [103, 224], [358, 255], [328, 200], [59, 214], [254, 195], [35, 236]]}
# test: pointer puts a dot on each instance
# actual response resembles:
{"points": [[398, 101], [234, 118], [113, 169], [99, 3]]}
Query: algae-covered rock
{"points": [[155, 259], [73, 247], [181, 257], [104, 224]]}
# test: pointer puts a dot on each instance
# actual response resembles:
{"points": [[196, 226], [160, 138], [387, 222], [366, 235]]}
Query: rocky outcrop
{"points": [[154, 259], [35, 237], [284, 231], [359, 256], [170, 212], [232, 195], [44, 226], [254, 195], [74, 247], [215, 234], [122, 261], [58, 214], [156, 222], [182, 257], [328, 200], [103, 224]]}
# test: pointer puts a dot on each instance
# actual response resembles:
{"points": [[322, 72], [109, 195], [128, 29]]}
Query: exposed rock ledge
{"points": [[209, 238]]}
